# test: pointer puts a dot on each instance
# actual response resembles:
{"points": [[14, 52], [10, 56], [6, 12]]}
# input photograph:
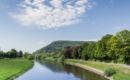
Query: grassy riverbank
{"points": [[12, 68], [122, 73]]}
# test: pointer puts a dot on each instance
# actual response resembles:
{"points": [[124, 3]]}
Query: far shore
{"points": [[94, 70], [99, 72]]}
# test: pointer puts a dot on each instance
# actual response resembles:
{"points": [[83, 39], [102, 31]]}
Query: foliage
{"points": [[15, 54], [111, 48], [11, 54], [48, 56], [28, 56], [57, 46], [20, 54], [67, 53], [53, 51], [75, 52], [109, 71]]}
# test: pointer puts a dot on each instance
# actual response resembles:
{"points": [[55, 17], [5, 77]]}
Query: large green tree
{"points": [[12, 53], [67, 52], [75, 52], [1, 54], [20, 54], [101, 47]]}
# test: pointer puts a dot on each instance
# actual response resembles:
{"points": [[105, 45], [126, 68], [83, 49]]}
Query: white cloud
{"points": [[51, 13]]}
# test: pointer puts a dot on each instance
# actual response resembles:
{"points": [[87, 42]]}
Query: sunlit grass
{"points": [[12, 68], [122, 73]]}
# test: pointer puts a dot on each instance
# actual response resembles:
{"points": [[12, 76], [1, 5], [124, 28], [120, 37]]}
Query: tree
{"points": [[124, 37], [1, 54], [118, 47], [75, 53], [12, 53], [85, 53], [67, 52], [115, 48], [28, 56], [101, 47], [91, 51], [20, 54], [80, 52], [84, 50], [85, 44]]}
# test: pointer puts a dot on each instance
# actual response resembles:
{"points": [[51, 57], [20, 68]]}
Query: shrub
{"points": [[28, 56], [109, 71]]}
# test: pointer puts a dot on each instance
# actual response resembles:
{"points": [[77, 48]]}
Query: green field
{"points": [[12, 68], [122, 73]]}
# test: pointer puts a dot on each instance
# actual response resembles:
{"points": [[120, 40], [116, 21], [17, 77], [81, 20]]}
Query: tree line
{"points": [[15, 54], [111, 48]]}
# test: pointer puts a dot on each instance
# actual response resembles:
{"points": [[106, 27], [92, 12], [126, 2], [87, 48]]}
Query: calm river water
{"points": [[58, 71]]}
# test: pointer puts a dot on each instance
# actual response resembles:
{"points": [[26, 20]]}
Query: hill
{"points": [[57, 46]]}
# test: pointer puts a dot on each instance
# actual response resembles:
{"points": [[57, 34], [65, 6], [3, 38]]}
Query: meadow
{"points": [[12, 68]]}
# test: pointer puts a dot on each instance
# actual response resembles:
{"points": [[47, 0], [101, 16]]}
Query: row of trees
{"points": [[15, 54], [115, 48], [11, 54]]}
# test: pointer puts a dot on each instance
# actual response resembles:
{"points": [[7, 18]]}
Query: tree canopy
{"points": [[114, 48]]}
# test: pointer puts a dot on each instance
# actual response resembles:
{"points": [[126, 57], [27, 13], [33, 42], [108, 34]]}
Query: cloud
{"points": [[51, 13]]}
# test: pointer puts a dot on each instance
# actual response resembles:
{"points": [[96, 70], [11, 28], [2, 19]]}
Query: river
{"points": [[58, 71]]}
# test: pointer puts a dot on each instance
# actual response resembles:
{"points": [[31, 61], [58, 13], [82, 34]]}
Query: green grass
{"points": [[12, 68], [122, 73]]}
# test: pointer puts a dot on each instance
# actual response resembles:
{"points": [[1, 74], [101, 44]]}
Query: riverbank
{"points": [[12, 68], [122, 73]]}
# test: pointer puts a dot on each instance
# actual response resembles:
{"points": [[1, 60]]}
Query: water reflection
{"points": [[69, 69], [58, 71]]}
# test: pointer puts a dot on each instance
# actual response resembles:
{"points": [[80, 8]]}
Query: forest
{"points": [[111, 48]]}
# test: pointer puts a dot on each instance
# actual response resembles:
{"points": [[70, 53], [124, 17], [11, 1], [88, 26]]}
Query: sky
{"points": [[29, 25]]}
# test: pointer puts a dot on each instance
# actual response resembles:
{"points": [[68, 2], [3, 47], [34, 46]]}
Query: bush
{"points": [[28, 56], [109, 71]]}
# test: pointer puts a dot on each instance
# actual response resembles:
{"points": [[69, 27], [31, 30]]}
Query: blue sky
{"points": [[100, 17]]}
